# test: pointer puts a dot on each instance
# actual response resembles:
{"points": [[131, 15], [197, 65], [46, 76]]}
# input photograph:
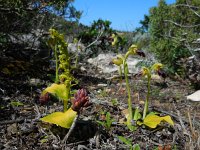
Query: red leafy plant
{"points": [[80, 100], [44, 98]]}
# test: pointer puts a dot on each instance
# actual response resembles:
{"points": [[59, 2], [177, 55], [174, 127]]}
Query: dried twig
{"points": [[11, 121], [98, 37], [190, 122], [190, 7], [38, 112], [69, 132], [185, 132]]}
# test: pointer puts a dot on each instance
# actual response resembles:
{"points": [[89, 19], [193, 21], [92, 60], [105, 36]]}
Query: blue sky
{"points": [[124, 15]]}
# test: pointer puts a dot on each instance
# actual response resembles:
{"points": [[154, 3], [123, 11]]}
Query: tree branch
{"points": [[189, 6], [182, 26], [98, 37]]}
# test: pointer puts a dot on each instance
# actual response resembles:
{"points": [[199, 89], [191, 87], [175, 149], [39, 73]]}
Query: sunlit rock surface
{"points": [[195, 96], [103, 62]]}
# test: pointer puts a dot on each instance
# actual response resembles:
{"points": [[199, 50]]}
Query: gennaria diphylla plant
{"points": [[62, 86]]}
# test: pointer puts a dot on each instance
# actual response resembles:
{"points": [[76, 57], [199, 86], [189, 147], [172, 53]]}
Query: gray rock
{"points": [[103, 62], [195, 96], [74, 48]]}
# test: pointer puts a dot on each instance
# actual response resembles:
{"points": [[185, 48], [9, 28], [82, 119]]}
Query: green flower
{"points": [[115, 40], [118, 61], [133, 49], [157, 66], [145, 71]]}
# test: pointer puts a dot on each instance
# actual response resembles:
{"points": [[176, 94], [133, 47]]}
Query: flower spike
{"points": [[80, 100]]}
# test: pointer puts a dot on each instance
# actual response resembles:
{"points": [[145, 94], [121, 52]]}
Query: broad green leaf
{"points": [[108, 119], [168, 119], [153, 120], [59, 90], [64, 120]]}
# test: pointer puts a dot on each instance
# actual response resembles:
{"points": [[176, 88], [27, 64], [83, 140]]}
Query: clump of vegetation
{"points": [[66, 118], [97, 38], [173, 34], [62, 87], [62, 60], [151, 119], [128, 142], [108, 121]]}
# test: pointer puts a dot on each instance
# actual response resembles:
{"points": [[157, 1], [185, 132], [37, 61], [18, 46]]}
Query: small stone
{"points": [[34, 81], [102, 85], [83, 68], [194, 97], [156, 77], [12, 129]]}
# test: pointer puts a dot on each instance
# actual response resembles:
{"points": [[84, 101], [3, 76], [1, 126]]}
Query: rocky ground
{"points": [[20, 111]]}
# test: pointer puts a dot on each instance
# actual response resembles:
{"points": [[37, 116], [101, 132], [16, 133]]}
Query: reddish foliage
{"points": [[166, 147], [80, 100], [44, 98]]}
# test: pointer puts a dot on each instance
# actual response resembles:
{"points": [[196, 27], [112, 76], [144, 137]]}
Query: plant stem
{"points": [[76, 61], [120, 74], [70, 131], [56, 57], [65, 102], [146, 106], [130, 116]]}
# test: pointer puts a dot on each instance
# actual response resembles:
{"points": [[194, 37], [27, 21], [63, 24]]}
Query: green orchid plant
{"points": [[122, 61], [60, 48], [63, 83], [152, 119]]}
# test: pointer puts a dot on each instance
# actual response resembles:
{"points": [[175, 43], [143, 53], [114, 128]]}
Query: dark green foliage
{"points": [[145, 24], [24, 27], [97, 38], [24, 16], [173, 29], [96, 29]]}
